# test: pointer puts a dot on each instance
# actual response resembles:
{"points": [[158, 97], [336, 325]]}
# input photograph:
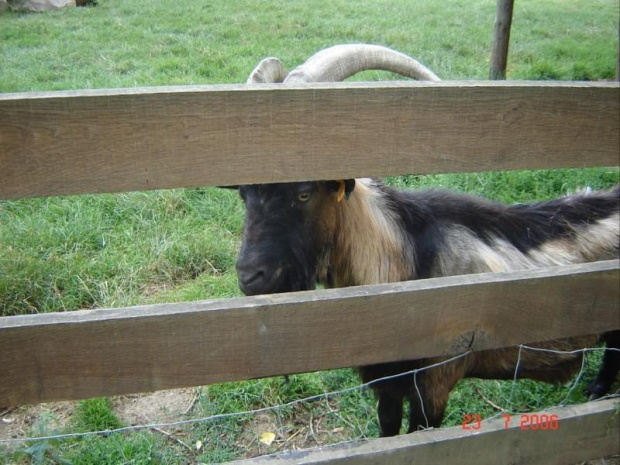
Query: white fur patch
{"points": [[464, 253], [371, 240]]}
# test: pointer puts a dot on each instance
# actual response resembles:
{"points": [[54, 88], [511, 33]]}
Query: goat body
{"points": [[299, 234]]}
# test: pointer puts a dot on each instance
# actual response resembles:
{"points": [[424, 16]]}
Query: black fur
{"points": [[276, 237]]}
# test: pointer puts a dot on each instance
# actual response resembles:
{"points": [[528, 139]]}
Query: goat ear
{"points": [[342, 187], [349, 185]]}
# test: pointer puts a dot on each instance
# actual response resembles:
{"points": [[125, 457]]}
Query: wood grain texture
{"points": [[585, 432], [80, 142], [93, 353]]}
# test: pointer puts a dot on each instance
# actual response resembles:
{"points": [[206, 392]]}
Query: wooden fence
{"points": [[116, 140]]}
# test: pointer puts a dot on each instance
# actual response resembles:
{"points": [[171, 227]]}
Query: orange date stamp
{"points": [[527, 421]]}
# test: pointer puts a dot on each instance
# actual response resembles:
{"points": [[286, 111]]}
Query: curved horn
{"points": [[267, 71], [342, 61]]}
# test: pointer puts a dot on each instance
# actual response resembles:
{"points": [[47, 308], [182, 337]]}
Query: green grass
{"points": [[96, 415], [127, 44], [110, 250], [67, 253], [515, 186]]}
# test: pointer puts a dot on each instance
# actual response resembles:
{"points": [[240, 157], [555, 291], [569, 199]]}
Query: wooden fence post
{"points": [[501, 38], [618, 59]]}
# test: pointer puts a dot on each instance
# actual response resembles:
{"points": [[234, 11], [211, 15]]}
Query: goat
{"points": [[360, 231]]}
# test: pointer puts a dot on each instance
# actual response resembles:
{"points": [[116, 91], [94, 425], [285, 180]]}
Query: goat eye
{"points": [[303, 197]]}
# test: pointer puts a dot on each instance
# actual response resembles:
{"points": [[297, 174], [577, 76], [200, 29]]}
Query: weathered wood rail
{"points": [[116, 140], [74, 355], [136, 139]]}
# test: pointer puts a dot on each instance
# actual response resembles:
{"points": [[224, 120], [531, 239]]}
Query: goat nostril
{"points": [[251, 276]]}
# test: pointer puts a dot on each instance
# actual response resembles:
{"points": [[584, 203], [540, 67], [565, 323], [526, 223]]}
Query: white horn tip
{"points": [[268, 70]]}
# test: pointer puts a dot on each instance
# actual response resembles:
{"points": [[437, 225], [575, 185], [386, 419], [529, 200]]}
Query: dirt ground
{"points": [[302, 432], [156, 407]]}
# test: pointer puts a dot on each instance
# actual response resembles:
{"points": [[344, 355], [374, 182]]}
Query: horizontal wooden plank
{"points": [[584, 432], [93, 353], [137, 139]]}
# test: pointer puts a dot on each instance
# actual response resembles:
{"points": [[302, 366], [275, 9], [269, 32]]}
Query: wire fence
{"points": [[501, 410]]}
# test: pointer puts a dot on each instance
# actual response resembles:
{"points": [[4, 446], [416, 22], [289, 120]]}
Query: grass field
{"points": [[68, 253]]}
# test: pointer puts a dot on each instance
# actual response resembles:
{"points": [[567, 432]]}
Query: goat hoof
{"points": [[596, 391]]}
